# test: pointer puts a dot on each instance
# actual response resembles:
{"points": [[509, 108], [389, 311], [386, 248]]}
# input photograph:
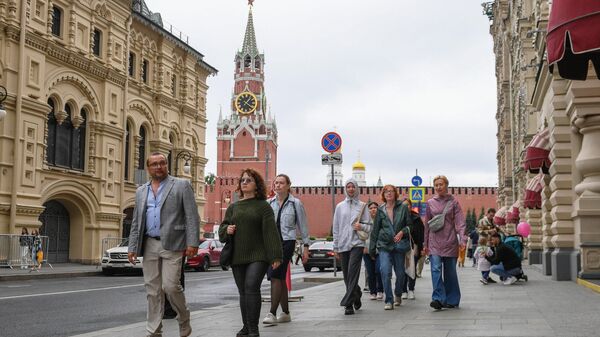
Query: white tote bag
{"points": [[409, 258]]}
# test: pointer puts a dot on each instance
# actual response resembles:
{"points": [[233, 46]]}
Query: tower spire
{"points": [[249, 47]]}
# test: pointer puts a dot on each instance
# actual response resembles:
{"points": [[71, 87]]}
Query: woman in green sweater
{"points": [[250, 223]]}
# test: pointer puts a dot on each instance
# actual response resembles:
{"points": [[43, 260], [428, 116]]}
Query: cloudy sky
{"points": [[409, 84]]}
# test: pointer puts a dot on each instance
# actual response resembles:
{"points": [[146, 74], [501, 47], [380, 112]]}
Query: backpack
{"points": [[514, 242]]}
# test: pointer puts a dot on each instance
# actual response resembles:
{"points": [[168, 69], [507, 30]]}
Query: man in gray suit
{"points": [[165, 224]]}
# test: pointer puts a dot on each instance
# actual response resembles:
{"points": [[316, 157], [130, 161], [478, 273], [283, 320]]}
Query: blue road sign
{"points": [[417, 194], [417, 181], [331, 142]]}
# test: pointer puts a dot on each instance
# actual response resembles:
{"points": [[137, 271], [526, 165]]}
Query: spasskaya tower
{"points": [[247, 138]]}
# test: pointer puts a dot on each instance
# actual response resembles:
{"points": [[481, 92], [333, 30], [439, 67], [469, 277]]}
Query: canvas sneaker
{"points": [[484, 281], [270, 319], [404, 296], [284, 318], [388, 306], [373, 296], [411, 295], [379, 296], [510, 280]]}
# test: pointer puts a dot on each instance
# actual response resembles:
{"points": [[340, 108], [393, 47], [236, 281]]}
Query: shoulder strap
{"points": [[447, 208], [295, 212], [362, 210]]}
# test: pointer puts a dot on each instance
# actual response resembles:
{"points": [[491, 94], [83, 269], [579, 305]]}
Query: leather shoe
{"points": [[243, 332], [450, 306], [349, 311], [437, 305], [357, 304]]}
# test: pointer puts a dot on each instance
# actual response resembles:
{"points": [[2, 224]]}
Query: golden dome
{"points": [[358, 166]]}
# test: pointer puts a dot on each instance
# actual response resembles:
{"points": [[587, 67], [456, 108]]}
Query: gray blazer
{"points": [[179, 219]]}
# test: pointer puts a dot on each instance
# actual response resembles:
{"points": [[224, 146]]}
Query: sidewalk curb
{"points": [[321, 279], [36, 276], [589, 285]]}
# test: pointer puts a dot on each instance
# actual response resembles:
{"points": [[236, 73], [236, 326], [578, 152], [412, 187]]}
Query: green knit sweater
{"points": [[256, 237]]}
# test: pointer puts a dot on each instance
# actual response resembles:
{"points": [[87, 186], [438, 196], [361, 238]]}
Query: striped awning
{"points": [[537, 152], [500, 216], [513, 215], [533, 192]]}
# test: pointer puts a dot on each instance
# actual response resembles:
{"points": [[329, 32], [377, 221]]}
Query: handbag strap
{"points": [[446, 209], [362, 211]]}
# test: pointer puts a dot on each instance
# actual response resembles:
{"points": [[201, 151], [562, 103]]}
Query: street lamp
{"points": [[3, 95], [187, 156]]}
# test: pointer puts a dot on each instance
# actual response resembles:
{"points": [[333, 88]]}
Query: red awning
{"points": [[533, 192], [513, 215], [500, 216], [537, 152], [573, 38]]}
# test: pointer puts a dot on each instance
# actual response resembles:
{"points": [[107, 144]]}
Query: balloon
{"points": [[524, 229]]}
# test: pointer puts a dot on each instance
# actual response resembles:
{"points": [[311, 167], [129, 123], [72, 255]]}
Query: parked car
{"points": [[320, 255], [115, 260], [208, 256]]}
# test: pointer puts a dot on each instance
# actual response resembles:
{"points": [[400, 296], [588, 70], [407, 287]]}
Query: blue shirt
{"points": [[153, 210]]}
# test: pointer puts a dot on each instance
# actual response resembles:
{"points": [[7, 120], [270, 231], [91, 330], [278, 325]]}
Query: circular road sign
{"points": [[417, 181], [331, 142]]}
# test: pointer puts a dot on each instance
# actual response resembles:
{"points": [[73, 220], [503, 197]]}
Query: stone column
{"points": [[584, 109], [547, 246], [561, 183]]}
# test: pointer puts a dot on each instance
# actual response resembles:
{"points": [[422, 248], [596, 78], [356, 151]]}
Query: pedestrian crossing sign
{"points": [[417, 194]]}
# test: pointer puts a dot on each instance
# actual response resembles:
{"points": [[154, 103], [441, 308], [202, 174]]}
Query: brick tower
{"points": [[248, 137]]}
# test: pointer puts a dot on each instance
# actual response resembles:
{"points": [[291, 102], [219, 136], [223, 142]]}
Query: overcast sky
{"points": [[409, 84]]}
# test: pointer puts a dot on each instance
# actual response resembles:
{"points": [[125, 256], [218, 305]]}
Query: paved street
{"points": [[541, 307], [66, 306]]}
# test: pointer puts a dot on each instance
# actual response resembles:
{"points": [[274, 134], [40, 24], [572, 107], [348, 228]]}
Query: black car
{"points": [[320, 255]]}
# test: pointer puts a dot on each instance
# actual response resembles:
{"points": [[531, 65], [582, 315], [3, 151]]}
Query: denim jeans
{"points": [[373, 274], [444, 279], [387, 260], [248, 278], [498, 269], [485, 274]]}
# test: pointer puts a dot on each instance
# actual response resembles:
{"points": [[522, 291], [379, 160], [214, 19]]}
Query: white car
{"points": [[115, 260]]}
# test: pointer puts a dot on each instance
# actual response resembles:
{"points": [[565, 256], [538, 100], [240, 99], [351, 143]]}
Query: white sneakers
{"points": [[404, 296], [270, 319], [284, 318], [379, 296], [281, 318], [509, 281], [411, 295], [373, 297], [388, 306]]}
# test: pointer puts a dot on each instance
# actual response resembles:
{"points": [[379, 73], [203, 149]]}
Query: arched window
{"points": [[257, 64], [66, 144], [127, 151], [247, 61], [142, 149], [51, 141]]}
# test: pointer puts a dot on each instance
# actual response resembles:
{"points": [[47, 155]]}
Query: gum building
{"points": [[93, 87], [548, 114]]}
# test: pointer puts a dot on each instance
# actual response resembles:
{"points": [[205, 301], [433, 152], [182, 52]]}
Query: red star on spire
{"points": [[250, 2]]}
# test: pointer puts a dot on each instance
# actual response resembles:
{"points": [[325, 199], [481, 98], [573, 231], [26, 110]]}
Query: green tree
{"points": [[210, 178], [482, 214]]}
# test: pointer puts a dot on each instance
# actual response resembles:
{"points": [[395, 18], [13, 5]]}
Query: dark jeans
{"points": [[248, 278], [351, 261], [409, 283], [373, 274]]}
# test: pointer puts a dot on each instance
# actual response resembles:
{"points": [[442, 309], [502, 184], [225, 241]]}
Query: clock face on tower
{"points": [[246, 103]]}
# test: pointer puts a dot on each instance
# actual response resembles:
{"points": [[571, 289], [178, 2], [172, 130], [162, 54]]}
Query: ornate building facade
{"points": [[93, 87], [548, 136]]}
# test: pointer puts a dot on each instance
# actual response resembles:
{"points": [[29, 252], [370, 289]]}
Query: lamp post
{"points": [[3, 95], [187, 156]]}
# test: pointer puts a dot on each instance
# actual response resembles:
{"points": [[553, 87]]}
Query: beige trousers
{"points": [[162, 270]]}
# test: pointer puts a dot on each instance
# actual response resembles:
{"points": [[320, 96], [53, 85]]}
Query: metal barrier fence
{"points": [[22, 251], [108, 243]]}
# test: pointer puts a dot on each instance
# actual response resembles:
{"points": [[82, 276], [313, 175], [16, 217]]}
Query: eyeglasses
{"points": [[389, 191], [159, 164], [246, 180]]}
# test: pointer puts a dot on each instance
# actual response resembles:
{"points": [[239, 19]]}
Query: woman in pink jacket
{"points": [[443, 245]]}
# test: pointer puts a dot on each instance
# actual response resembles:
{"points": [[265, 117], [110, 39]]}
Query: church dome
{"points": [[358, 166]]}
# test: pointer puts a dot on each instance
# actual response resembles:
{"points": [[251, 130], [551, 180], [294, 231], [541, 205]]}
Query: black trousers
{"points": [[351, 262], [248, 278]]}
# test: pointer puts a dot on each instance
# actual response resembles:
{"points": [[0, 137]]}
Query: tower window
{"points": [[97, 41], [56, 20], [257, 64], [247, 61]]}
